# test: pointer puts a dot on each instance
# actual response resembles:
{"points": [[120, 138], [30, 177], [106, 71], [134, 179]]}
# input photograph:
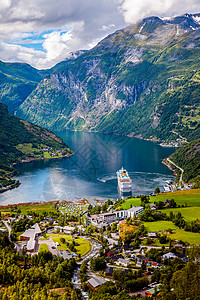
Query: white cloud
{"points": [[134, 10], [71, 25]]}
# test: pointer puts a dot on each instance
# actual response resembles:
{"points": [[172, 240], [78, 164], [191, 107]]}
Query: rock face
{"points": [[142, 80]]}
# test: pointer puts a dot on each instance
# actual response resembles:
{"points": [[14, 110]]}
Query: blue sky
{"points": [[43, 33]]}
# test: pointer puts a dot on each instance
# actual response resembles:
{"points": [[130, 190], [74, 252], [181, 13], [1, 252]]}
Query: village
{"points": [[115, 239]]}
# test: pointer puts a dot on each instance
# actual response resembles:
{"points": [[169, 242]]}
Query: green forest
{"points": [[16, 132]]}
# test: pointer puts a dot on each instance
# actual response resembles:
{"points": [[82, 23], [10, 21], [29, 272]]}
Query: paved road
{"points": [[181, 177], [94, 251]]}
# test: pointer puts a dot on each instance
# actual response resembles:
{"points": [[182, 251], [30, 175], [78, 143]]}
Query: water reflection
{"points": [[91, 172]]}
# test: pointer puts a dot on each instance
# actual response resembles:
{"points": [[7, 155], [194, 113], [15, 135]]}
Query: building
{"points": [[108, 217], [95, 282], [152, 234], [153, 206], [122, 261], [121, 214], [109, 271], [68, 230], [169, 255], [134, 211], [30, 236], [152, 292], [101, 220]]}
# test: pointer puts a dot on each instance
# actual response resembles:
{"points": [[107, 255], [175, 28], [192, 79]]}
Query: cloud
{"points": [[134, 10], [42, 33], [62, 26]]}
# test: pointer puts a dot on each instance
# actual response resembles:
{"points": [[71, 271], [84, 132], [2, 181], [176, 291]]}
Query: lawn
{"points": [[83, 247], [189, 213], [178, 234], [132, 201], [43, 247], [186, 236], [188, 197], [159, 225]]}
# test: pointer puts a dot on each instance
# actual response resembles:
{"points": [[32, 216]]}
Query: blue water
{"points": [[91, 171]]}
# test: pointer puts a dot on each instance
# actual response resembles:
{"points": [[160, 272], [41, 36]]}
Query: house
{"points": [[122, 261], [68, 230], [153, 206], [95, 282], [115, 257], [169, 255], [30, 236], [134, 212], [128, 249], [166, 202], [112, 253], [140, 258], [155, 265], [152, 234], [152, 291], [109, 271]]}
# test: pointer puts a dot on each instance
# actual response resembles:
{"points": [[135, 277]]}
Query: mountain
{"points": [[143, 80], [18, 80], [188, 158], [23, 141], [71, 57]]}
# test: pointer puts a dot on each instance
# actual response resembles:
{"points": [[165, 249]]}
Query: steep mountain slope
{"points": [[188, 158], [143, 80], [17, 81], [20, 140]]}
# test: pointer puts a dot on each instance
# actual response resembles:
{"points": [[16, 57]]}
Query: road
{"points": [[93, 252], [181, 177]]}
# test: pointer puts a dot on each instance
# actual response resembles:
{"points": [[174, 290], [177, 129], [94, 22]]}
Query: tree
{"points": [[157, 190], [97, 263]]}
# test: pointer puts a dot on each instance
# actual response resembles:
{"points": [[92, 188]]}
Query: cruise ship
{"points": [[124, 182]]}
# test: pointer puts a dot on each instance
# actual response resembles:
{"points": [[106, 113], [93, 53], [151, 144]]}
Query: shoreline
{"points": [[18, 183]]}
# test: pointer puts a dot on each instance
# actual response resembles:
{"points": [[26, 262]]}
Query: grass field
{"points": [[83, 247], [186, 236], [39, 208], [43, 247], [159, 225], [188, 197], [178, 234], [189, 213], [132, 201]]}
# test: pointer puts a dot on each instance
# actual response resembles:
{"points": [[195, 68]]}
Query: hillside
{"points": [[143, 80], [22, 141], [188, 158], [18, 80]]}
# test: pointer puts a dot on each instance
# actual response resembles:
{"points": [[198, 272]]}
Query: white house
{"points": [[169, 255]]}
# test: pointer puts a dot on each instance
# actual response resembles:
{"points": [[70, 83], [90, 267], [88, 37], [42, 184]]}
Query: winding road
{"points": [[181, 177]]}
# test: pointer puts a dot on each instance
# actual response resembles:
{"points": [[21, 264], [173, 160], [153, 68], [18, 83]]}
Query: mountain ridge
{"points": [[136, 82]]}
